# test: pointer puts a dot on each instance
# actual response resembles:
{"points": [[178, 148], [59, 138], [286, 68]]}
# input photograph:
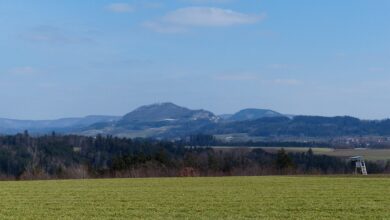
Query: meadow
{"points": [[199, 198]]}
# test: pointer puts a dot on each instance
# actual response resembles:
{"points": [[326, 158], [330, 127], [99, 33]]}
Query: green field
{"points": [[199, 198]]}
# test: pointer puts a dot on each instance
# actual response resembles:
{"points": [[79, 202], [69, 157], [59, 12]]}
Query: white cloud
{"points": [[120, 8], [185, 18]]}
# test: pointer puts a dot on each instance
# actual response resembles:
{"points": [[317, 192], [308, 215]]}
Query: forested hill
{"points": [[170, 121], [309, 126]]}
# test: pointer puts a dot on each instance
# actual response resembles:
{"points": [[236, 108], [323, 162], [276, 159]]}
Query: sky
{"points": [[69, 58]]}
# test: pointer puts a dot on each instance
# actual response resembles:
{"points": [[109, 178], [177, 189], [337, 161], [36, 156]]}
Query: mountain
{"points": [[166, 112], [253, 114], [10, 126], [167, 120], [157, 120]]}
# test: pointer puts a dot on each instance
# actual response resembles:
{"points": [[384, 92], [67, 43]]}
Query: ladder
{"points": [[360, 165], [363, 168]]}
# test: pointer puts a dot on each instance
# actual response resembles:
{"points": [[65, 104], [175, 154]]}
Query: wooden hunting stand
{"points": [[360, 165]]}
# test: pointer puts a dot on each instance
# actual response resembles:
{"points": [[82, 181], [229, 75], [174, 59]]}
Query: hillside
{"points": [[162, 120], [166, 112], [253, 114], [11, 126]]}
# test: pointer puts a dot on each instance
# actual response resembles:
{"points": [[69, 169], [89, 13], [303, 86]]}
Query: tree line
{"points": [[70, 156], [210, 140]]}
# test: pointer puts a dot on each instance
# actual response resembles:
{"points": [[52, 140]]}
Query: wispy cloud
{"points": [[207, 1], [203, 16], [236, 77], [376, 69], [152, 5], [163, 28], [185, 18], [289, 82], [23, 71], [50, 34], [251, 77], [120, 8], [283, 66], [340, 55]]}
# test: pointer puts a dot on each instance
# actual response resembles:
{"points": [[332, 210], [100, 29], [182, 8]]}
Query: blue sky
{"points": [[74, 58]]}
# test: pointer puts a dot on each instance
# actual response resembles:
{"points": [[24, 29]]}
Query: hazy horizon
{"points": [[76, 58]]}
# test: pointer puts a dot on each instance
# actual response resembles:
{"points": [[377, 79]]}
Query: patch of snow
{"points": [[169, 119]]}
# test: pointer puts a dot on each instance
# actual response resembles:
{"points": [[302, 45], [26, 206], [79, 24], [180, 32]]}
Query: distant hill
{"points": [[166, 112], [167, 120], [11, 126], [253, 114], [157, 120], [225, 116], [306, 126]]}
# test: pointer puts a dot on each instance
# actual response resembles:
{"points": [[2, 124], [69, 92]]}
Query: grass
{"points": [[198, 198]]}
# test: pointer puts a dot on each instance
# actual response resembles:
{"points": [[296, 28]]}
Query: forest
{"points": [[307, 126], [70, 156]]}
